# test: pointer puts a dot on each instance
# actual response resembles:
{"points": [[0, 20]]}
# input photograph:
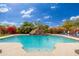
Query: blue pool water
{"points": [[38, 42]]}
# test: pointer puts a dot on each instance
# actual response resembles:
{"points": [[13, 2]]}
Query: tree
{"points": [[76, 23], [3, 29], [40, 29], [26, 27], [41, 26], [68, 25], [27, 24]]}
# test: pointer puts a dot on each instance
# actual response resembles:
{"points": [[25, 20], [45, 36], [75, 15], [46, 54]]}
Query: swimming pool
{"points": [[38, 42]]}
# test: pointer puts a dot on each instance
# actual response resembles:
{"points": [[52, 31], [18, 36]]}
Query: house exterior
{"points": [[77, 32]]}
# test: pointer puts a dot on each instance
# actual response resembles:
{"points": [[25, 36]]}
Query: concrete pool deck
{"points": [[11, 49], [66, 49], [61, 49], [15, 49]]}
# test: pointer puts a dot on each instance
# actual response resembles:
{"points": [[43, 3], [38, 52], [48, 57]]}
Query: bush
{"points": [[11, 30], [56, 30]]}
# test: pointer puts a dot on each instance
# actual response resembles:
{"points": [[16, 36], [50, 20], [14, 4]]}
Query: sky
{"points": [[52, 14]]}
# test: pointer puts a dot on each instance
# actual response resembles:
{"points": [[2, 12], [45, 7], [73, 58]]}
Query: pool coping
{"points": [[11, 35], [67, 36]]}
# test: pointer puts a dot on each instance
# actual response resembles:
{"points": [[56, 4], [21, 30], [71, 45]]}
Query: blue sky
{"points": [[52, 14]]}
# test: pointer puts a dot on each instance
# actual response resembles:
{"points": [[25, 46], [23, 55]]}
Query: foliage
{"points": [[71, 25], [26, 27], [56, 30], [76, 23], [68, 25], [11, 30], [41, 26], [3, 30]]}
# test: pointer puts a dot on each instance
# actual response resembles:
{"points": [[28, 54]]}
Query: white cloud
{"points": [[53, 7], [38, 19], [46, 17], [4, 8], [7, 22], [48, 22], [64, 20], [23, 11], [57, 25], [74, 17], [21, 23], [27, 13], [3, 5]]}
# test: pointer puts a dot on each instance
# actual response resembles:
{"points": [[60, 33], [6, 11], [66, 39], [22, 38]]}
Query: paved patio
{"points": [[15, 49]]}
